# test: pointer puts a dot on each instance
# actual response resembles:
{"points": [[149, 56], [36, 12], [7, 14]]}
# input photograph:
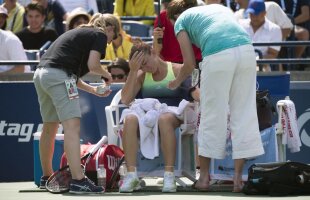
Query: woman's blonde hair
{"points": [[101, 21], [176, 7]]}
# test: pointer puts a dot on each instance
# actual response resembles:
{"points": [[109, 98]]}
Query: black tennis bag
{"points": [[278, 179]]}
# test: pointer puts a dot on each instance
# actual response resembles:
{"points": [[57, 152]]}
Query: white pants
{"points": [[228, 81]]}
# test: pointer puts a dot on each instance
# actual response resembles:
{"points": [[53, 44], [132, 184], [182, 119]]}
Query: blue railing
{"points": [[137, 18], [259, 61]]}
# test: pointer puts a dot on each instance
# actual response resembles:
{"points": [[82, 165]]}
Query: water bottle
{"points": [[101, 176], [122, 173]]}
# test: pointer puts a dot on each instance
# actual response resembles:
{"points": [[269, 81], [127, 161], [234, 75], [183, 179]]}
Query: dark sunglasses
{"points": [[118, 76]]}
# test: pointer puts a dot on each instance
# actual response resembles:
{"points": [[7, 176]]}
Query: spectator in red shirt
{"points": [[169, 50]]}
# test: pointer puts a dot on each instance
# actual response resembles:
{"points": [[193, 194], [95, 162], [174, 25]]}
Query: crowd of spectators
{"points": [[35, 22]]}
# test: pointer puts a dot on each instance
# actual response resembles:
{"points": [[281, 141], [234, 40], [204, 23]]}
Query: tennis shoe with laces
{"points": [[169, 182], [43, 181], [84, 187], [130, 183]]}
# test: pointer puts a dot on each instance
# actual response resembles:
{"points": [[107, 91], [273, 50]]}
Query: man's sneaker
{"points": [[43, 180], [130, 183], [84, 186], [169, 182]]}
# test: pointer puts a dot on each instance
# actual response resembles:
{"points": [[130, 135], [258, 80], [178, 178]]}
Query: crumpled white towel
{"points": [[148, 111], [289, 125]]}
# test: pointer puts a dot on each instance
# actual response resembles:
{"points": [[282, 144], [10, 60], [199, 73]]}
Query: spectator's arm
{"points": [[304, 16], [275, 36], [16, 52], [16, 69], [158, 33], [285, 32], [271, 53]]}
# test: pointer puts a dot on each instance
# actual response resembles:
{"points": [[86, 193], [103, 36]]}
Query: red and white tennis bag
{"points": [[109, 155]]}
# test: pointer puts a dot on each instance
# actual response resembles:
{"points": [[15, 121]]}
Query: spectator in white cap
{"points": [[3, 16], [260, 29]]}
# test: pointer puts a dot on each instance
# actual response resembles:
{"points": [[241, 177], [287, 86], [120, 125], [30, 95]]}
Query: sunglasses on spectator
{"points": [[118, 76]]}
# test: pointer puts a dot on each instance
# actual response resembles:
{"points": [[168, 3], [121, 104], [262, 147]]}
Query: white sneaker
{"points": [[169, 182], [130, 183]]}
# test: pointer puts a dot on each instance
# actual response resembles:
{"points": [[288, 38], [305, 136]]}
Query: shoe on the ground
{"points": [[130, 183], [85, 186], [169, 182], [43, 181]]}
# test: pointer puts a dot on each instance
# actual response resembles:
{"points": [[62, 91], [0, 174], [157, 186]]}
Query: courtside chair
{"points": [[278, 84], [185, 154]]}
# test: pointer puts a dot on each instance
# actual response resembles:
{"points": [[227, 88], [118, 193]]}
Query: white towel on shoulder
{"points": [[289, 125]]}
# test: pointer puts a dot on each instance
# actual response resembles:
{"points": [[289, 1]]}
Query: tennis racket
{"points": [[112, 182], [59, 181]]}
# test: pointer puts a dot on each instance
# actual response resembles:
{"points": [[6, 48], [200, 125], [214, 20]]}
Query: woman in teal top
{"points": [[150, 74], [228, 83]]}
